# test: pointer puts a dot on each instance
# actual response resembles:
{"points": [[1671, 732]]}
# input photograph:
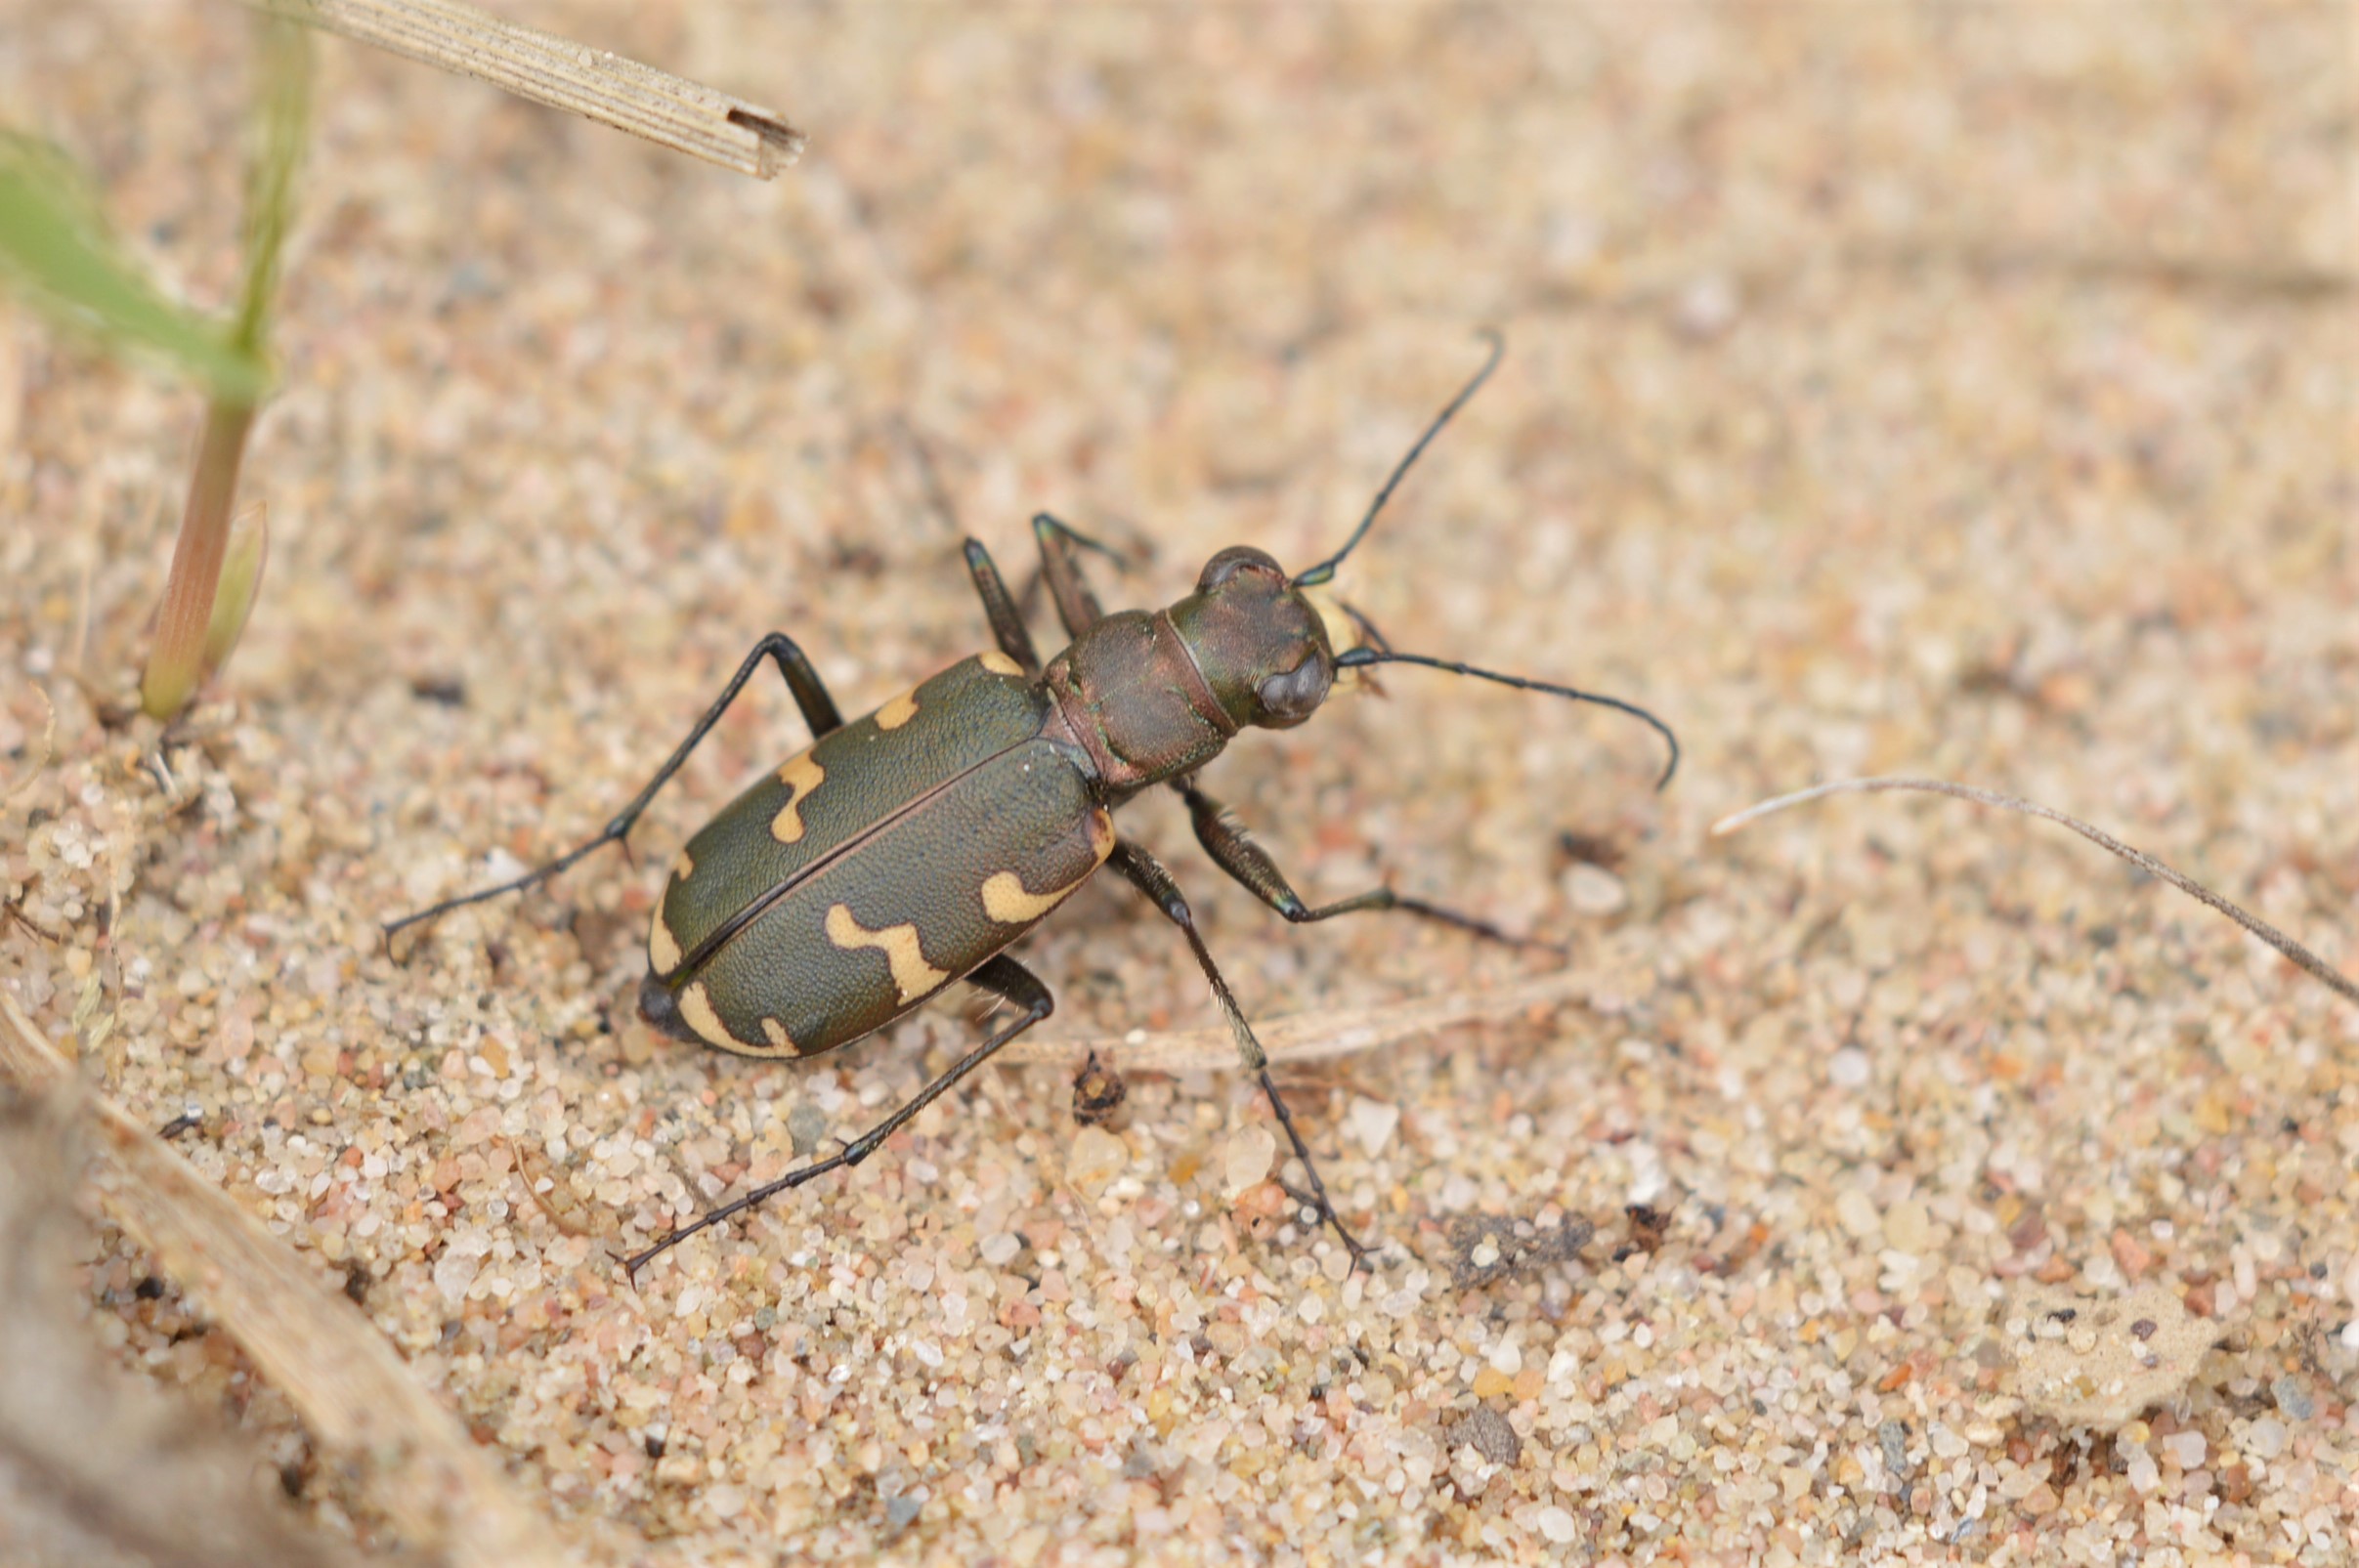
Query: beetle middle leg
{"points": [[1234, 850], [1002, 976], [1146, 873], [810, 695]]}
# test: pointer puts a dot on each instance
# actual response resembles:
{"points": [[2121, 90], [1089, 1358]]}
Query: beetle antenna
{"points": [[1324, 572], [1373, 656], [1368, 633]]}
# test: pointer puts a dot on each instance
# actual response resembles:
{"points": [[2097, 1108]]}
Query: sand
{"points": [[1964, 392]]}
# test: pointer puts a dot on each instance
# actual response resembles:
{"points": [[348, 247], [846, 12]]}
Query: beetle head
{"points": [[1260, 642]]}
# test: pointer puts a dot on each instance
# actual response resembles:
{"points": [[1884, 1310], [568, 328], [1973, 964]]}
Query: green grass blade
{"points": [[56, 250]]}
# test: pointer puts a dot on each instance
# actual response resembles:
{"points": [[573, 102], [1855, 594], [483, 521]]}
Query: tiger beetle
{"points": [[909, 848]]}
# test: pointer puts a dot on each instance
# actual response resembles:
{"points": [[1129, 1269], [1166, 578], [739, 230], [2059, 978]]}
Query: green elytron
{"points": [[908, 849]]}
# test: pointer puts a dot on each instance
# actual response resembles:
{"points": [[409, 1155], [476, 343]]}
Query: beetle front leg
{"points": [[810, 695], [1234, 850], [1006, 622], [1077, 605], [1003, 977], [1146, 873]]}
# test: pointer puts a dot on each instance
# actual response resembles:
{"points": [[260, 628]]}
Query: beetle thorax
{"points": [[1151, 696]]}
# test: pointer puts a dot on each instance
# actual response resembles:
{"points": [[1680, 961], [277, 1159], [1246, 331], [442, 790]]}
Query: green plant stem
{"points": [[179, 661], [176, 663]]}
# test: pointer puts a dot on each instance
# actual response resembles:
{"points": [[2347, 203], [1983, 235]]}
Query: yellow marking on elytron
{"points": [[697, 1009], [776, 1033], [913, 976], [899, 712], [998, 663], [682, 867], [663, 948], [801, 776], [1006, 901]]}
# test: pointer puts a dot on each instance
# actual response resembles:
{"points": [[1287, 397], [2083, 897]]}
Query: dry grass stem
{"points": [[1312, 1036], [414, 1459], [95, 1469], [176, 663], [593, 83], [2303, 957]]}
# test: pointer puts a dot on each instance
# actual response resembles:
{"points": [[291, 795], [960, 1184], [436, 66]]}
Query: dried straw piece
{"points": [[96, 1467], [1312, 1036], [2341, 984], [593, 83], [352, 1391]]}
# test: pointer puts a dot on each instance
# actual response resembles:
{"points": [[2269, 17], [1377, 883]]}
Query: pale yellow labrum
{"points": [[913, 976], [802, 774]]}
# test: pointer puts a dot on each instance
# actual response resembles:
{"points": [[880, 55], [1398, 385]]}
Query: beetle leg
{"points": [[1234, 850], [1003, 977], [1146, 873], [810, 695], [1006, 622], [1077, 603]]}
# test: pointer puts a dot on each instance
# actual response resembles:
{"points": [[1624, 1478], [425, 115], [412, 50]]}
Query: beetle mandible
{"points": [[909, 848]]}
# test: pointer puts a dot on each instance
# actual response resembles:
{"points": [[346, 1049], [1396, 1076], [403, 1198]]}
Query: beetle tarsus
{"points": [[1318, 1199]]}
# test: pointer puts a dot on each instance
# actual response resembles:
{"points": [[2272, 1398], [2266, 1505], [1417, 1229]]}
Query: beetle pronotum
{"points": [[909, 848]]}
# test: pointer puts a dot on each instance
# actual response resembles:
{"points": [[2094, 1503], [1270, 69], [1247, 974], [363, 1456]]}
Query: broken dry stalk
{"points": [[594, 83], [2303, 957]]}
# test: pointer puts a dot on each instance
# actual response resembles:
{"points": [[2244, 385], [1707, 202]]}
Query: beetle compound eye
{"points": [[1295, 695]]}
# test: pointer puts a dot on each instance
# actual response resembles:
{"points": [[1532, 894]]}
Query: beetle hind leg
{"points": [[1003, 977], [810, 695]]}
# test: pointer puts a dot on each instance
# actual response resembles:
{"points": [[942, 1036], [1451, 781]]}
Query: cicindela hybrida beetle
{"points": [[909, 848]]}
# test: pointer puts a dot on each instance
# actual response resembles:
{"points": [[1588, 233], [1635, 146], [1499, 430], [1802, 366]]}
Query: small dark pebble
{"points": [[1893, 1438], [1097, 1093], [1487, 1248], [1485, 1432]]}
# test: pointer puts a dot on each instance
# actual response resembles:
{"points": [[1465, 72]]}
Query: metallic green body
{"points": [[844, 888]]}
